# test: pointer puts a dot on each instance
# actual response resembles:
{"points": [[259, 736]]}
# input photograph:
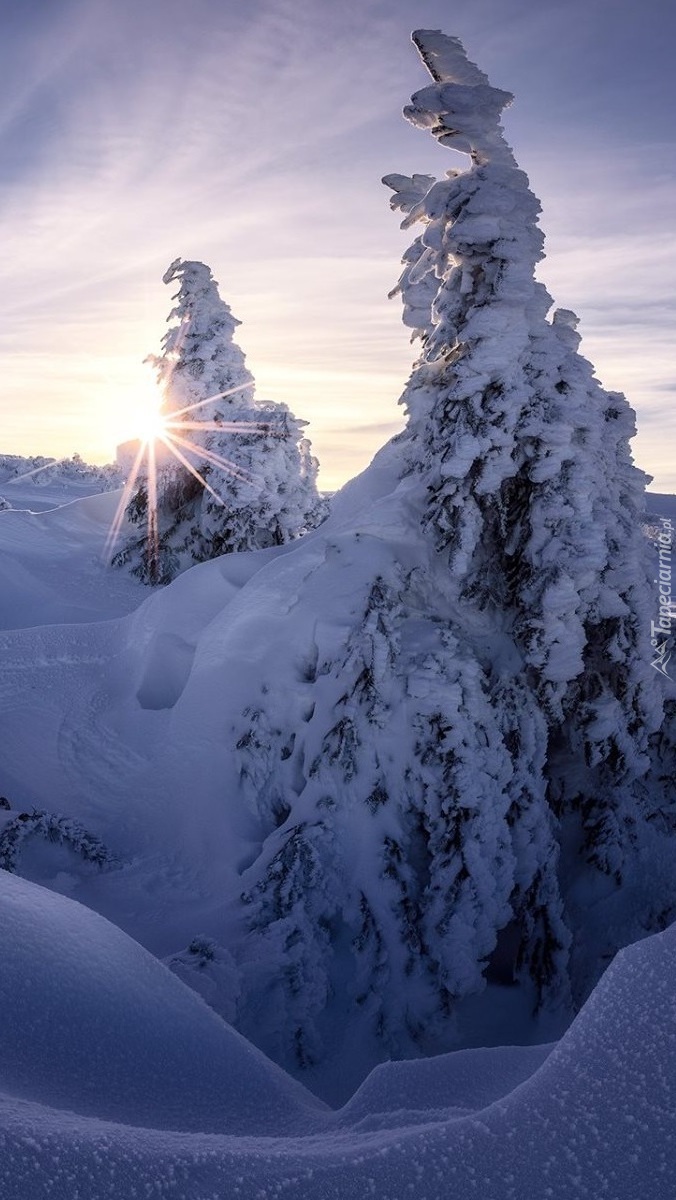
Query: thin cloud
{"points": [[253, 137]]}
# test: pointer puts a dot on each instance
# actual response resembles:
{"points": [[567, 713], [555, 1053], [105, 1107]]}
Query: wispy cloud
{"points": [[254, 137]]}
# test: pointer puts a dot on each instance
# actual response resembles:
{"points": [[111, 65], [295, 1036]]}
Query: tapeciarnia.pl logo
{"points": [[660, 630]]}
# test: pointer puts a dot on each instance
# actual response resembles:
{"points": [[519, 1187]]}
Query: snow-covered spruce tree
{"points": [[393, 792], [480, 692], [532, 491], [239, 474]]}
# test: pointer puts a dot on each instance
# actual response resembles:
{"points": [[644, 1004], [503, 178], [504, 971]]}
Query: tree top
{"points": [[462, 110]]}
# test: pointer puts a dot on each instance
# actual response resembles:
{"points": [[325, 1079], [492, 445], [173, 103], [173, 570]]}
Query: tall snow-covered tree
{"points": [[473, 707], [236, 473], [531, 489]]}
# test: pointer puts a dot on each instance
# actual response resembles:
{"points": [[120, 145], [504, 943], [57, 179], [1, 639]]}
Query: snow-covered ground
{"points": [[52, 570], [116, 1079], [661, 505]]}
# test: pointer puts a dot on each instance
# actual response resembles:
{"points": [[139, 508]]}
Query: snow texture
{"points": [[116, 1080]]}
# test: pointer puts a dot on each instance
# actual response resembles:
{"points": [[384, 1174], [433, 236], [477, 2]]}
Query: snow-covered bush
{"points": [[59, 830]]}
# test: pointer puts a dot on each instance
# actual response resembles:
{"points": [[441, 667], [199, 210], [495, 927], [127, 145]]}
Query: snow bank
{"points": [[595, 1117], [52, 568], [465, 1081], [94, 1024]]}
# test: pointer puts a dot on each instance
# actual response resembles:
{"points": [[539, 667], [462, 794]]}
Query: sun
{"points": [[150, 421], [138, 406], [159, 438]]}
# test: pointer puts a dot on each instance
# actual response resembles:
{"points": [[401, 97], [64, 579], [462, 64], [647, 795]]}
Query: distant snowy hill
{"points": [[41, 483], [661, 504]]}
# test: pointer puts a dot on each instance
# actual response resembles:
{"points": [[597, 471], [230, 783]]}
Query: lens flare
{"points": [[151, 423], [165, 435]]}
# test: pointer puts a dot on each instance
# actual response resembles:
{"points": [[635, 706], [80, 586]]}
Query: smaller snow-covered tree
{"points": [[234, 473], [402, 753]]}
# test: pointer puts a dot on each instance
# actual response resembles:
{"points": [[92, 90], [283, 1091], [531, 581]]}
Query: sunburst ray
{"points": [[127, 491], [193, 470], [222, 426], [224, 464], [173, 438], [172, 415]]}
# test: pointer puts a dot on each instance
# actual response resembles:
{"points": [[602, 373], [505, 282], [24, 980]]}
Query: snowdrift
{"points": [[94, 1024], [103, 1053], [52, 568]]}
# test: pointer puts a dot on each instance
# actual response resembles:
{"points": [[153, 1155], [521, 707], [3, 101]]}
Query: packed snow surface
{"points": [[94, 1024], [116, 1080]]}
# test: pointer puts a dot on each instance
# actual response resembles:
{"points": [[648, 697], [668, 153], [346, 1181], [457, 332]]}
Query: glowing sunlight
{"points": [[147, 421], [159, 436]]}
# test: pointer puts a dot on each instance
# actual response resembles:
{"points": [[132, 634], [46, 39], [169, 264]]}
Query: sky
{"points": [[253, 137]]}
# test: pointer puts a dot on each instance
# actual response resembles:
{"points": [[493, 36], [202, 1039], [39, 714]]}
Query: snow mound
{"points": [[52, 568], [464, 1081], [596, 1118], [94, 1024]]}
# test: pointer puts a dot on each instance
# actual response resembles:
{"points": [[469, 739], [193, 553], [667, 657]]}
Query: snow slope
{"points": [[116, 1081], [93, 1024], [52, 568], [94, 664]]}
